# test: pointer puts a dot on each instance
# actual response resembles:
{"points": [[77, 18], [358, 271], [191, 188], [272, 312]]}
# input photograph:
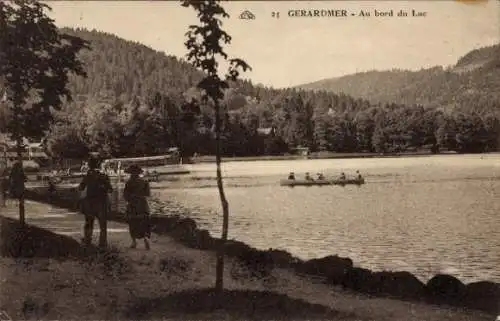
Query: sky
{"points": [[289, 51]]}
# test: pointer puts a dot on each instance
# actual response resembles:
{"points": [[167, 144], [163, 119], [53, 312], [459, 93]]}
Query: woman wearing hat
{"points": [[135, 193]]}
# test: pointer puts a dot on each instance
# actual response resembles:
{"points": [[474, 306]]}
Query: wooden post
{"points": [[117, 192], [20, 189]]}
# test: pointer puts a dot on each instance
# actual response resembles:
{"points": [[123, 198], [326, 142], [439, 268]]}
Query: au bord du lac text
{"points": [[339, 13]]}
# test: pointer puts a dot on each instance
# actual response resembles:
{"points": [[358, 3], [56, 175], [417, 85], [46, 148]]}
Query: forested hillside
{"points": [[473, 84], [137, 101]]}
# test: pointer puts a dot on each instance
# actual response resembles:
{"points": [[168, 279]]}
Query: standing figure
{"points": [[95, 202], [17, 178], [136, 193], [4, 187], [51, 189], [84, 168]]}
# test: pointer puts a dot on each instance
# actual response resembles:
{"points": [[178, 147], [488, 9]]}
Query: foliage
{"points": [[36, 60], [466, 133], [204, 48], [123, 75]]}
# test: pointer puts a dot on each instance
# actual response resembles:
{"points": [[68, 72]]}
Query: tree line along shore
{"points": [[119, 114]]}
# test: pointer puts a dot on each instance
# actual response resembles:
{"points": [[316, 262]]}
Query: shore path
{"points": [[201, 272]]}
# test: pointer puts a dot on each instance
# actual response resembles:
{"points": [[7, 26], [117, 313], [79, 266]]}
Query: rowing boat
{"points": [[320, 182]]}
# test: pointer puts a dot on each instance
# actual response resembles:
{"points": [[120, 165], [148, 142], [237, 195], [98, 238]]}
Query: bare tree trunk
{"points": [[219, 273], [19, 149], [19, 145]]}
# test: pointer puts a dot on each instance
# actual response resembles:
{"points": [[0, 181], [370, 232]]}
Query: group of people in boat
{"points": [[320, 176]]}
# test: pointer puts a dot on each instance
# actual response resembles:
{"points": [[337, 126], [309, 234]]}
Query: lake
{"points": [[425, 215]]}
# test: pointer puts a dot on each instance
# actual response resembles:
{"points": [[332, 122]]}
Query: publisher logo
{"points": [[247, 15]]}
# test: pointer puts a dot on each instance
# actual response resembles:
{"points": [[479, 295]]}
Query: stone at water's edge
{"points": [[357, 279], [184, 230], [399, 284], [203, 240], [484, 296], [334, 268], [445, 289], [283, 258]]}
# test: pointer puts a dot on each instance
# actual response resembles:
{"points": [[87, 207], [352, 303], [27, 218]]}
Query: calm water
{"points": [[422, 214]]}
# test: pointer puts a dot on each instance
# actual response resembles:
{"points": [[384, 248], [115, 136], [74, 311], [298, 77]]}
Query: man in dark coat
{"points": [[95, 202]]}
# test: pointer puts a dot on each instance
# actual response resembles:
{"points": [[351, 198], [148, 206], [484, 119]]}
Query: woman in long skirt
{"points": [[136, 193]]}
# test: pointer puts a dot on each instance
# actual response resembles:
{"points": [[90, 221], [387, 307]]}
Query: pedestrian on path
{"points": [[4, 187], [136, 192], [94, 188], [17, 180]]}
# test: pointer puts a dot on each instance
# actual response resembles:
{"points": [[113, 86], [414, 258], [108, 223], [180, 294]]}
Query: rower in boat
{"points": [[342, 176], [156, 176], [308, 177], [321, 176], [358, 176], [291, 176]]}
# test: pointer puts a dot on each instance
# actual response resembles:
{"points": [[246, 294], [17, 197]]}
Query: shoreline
{"points": [[326, 155], [442, 289]]}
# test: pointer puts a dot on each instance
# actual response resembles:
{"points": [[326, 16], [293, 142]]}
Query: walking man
{"points": [[95, 204]]}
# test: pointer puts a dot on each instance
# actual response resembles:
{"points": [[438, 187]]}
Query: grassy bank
{"points": [[332, 271], [80, 284]]}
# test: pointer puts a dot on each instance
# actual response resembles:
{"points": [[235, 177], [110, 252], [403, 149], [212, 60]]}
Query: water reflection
{"points": [[424, 215]]}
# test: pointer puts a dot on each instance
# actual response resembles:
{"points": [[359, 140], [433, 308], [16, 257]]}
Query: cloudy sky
{"points": [[291, 50]]}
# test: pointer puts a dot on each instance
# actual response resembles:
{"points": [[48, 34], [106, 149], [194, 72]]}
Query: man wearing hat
{"points": [[136, 192], [95, 186]]}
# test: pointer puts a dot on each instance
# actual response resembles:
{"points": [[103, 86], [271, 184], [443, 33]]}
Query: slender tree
{"points": [[205, 46], [35, 60]]}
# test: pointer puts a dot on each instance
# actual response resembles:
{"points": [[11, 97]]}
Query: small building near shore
{"points": [[266, 131], [32, 152], [301, 150]]}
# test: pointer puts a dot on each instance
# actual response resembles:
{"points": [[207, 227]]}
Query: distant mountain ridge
{"points": [[135, 102], [473, 82]]}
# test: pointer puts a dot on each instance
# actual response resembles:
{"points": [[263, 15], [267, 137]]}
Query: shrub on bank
{"points": [[30, 242]]}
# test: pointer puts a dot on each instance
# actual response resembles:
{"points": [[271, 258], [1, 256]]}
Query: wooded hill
{"points": [[473, 84], [137, 101]]}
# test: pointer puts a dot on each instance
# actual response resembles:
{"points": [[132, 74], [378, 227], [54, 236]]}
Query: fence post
{"points": [[117, 193]]}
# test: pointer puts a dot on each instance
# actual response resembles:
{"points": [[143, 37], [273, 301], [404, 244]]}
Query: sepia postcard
{"points": [[250, 160]]}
